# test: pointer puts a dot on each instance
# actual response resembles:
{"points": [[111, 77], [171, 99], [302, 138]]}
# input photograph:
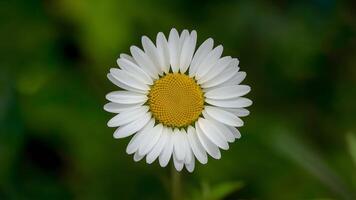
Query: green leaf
{"points": [[216, 192], [222, 190]]}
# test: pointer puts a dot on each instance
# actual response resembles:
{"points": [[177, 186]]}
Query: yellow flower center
{"points": [[176, 100]]}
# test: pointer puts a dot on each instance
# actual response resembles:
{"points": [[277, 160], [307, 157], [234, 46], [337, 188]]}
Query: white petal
{"points": [[219, 66], [210, 147], [147, 137], [163, 52], [137, 157], [138, 137], [124, 86], [223, 116], [200, 54], [128, 79], [228, 134], [183, 36], [126, 97], [179, 144], [132, 127], [118, 107], [240, 102], [177, 164], [237, 79], [127, 116], [191, 165], [127, 57], [196, 146], [155, 134], [173, 45], [213, 133], [208, 62], [234, 130], [152, 52], [144, 62], [157, 149], [188, 150], [167, 150], [228, 92], [132, 68], [187, 51], [133, 145], [235, 64], [240, 112], [221, 78]]}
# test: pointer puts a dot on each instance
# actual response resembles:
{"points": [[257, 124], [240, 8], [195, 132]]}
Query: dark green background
{"points": [[298, 143]]}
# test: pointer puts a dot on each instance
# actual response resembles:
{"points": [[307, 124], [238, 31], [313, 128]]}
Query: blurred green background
{"points": [[298, 143]]}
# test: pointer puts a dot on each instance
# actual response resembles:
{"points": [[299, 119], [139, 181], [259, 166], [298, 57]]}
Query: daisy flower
{"points": [[178, 103]]}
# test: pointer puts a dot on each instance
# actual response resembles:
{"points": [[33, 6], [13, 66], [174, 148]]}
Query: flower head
{"points": [[177, 102]]}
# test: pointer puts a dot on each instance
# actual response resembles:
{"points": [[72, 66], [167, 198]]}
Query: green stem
{"points": [[176, 184]]}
